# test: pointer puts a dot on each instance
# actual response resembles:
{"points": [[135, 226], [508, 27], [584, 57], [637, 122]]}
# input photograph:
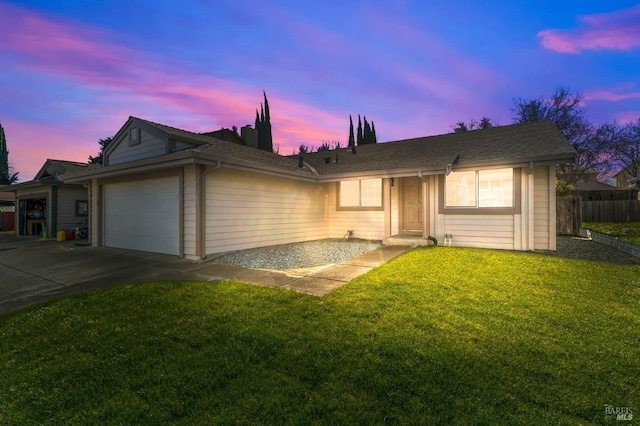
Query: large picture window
{"points": [[364, 193], [480, 189]]}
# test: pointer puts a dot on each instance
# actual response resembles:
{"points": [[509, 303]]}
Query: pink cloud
{"points": [[31, 144], [607, 95], [619, 30], [628, 117], [128, 82]]}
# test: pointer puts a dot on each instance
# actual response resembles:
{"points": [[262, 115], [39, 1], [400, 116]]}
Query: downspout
{"points": [[54, 211], [530, 202]]}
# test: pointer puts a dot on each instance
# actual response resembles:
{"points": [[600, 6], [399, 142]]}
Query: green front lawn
{"points": [[437, 336], [629, 231]]}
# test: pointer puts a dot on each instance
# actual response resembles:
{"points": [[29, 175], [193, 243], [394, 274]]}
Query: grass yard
{"points": [[437, 336], [629, 231]]}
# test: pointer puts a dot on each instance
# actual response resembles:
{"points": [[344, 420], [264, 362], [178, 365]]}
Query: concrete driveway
{"points": [[33, 271]]}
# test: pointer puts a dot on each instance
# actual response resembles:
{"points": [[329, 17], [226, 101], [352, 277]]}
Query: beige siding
{"points": [[541, 208], [67, 197], [489, 231], [245, 210], [395, 210], [94, 213], [150, 146], [189, 211], [368, 225]]}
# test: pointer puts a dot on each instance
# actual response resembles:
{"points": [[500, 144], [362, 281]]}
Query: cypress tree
{"points": [[263, 126], [367, 132], [359, 140], [352, 141], [4, 159], [5, 177], [374, 138], [268, 142]]}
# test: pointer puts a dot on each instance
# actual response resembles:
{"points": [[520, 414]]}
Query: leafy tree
{"points": [[359, 137], [304, 149], [100, 157], [565, 110], [352, 140], [324, 147], [563, 188], [329, 146], [6, 178], [461, 126], [623, 147]]}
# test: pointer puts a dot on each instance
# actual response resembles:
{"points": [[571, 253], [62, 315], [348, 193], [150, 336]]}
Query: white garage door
{"points": [[143, 215]]}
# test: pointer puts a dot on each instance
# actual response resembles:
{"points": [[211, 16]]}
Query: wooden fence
{"points": [[568, 215], [596, 206], [611, 211], [606, 194]]}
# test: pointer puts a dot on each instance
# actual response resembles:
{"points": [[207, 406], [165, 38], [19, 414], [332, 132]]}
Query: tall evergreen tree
{"points": [[374, 138], [352, 140], [263, 126], [5, 177], [359, 139], [366, 138], [98, 159]]}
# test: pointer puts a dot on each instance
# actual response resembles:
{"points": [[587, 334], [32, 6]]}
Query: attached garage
{"points": [[143, 215]]}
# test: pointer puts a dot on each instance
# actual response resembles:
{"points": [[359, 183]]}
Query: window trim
{"points": [[360, 208], [517, 198]]}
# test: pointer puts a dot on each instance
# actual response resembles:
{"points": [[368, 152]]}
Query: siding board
{"points": [[67, 197], [189, 211], [245, 210], [490, 231], [149, 146], [541, 208]]}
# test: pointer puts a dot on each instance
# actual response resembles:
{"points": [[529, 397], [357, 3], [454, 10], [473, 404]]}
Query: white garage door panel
{"points": [[143, 215]]}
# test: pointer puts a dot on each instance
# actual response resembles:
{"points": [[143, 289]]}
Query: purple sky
{"points": [[72, 72]]}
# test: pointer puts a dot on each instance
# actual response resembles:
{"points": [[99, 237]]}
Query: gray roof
{"points": [[519, 143], [54, 172], [537, 142], [227, 150]]}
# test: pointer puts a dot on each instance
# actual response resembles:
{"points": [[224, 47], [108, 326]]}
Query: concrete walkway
{"points": [[33, 271]]}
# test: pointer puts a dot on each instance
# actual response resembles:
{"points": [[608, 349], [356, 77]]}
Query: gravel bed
{"points": [[580, 248], [324, 252], [299, 255]]}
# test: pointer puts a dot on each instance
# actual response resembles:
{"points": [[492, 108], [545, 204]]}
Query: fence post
{"points": [[568, 215]]}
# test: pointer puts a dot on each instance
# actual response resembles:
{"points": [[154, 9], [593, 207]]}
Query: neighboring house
{"points": [[167, 190], [7, 210], [591, 182], [625, 180], [49, 201]]}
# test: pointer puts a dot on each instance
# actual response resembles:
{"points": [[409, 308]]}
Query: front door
{"points": [[411, 206]]}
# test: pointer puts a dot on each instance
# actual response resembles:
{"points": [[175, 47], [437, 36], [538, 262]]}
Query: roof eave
{"points": [[181, 158], [548, 160]]}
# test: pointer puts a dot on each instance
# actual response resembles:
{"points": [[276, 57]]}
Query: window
{"points": [[365, 193], [134, 136], [483, 188]]}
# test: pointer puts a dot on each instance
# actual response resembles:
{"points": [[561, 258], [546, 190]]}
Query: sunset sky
{"points": [[72, 72]]}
